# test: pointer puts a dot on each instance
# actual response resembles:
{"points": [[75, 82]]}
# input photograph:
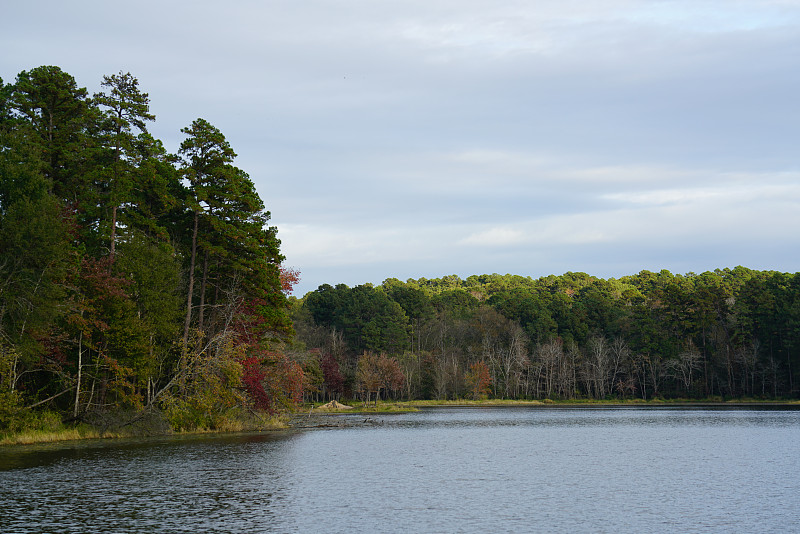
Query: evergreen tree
{"points": [[58, 117], [125, 108]]}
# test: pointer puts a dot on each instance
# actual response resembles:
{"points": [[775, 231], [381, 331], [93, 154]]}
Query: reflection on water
{"points": [[439, 470]]}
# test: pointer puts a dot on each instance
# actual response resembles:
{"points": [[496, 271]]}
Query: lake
{"points": [[531, 469]]}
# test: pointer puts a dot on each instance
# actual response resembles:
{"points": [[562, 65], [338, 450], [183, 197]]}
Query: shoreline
{"points": [[314, 418], [464, 403]]}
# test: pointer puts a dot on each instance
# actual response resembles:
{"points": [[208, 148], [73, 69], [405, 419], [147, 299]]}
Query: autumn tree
{"points": [[478, 380], [332, 375], [378, 372], [272, 380], [289, 277]]}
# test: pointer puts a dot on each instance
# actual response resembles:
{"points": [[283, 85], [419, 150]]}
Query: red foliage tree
{"points": [[271, 379], [289, 277], [253, 382], [478, 379], [378, 372], [334, 381]]}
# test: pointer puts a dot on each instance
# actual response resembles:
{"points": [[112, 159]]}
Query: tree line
{"points": [[730, 333], [136, 281], [131, 278]]}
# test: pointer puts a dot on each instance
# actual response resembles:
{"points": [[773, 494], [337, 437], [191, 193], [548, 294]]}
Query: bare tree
{"points": [[568, 371], [598, 366], [747, 357], [620, 358], [549, 358], [683, 367]]}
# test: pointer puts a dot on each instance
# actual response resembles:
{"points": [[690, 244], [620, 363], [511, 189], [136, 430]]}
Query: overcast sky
{"points": [[417, 138]]}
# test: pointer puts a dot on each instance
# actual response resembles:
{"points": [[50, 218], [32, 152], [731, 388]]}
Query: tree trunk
{"points": [[191, 286], [113, 231], [78, 383], [114, 184], [201, 314]]}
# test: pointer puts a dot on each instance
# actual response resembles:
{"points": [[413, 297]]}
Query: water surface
{"points": [[439, 470]]}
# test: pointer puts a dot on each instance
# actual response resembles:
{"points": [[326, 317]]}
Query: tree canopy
{"points": [[728, 333], [130, 278]]}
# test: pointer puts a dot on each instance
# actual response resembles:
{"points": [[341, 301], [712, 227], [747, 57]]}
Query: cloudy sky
{"points": [[416, 138]]}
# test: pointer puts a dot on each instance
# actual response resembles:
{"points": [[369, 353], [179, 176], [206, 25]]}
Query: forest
{"points": [[135, 282], [726, 334], [132, 280]]}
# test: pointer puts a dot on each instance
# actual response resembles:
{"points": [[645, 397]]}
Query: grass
{"points": [[255, 423], [43, 427], [29, 437], [50, 429]]}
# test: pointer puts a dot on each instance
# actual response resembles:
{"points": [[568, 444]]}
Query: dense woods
{"points": [[134, 281], [131, 279], [731, 333]]}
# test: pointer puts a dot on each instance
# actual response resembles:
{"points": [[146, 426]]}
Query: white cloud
{"points": [[496, 237], [754, 190]]}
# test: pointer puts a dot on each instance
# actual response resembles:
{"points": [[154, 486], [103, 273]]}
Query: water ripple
{"points": [[439, 470]]}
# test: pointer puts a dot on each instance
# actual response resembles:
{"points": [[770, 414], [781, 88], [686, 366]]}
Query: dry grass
{"points": [[57, 433], [254, 422], [51, 436]]}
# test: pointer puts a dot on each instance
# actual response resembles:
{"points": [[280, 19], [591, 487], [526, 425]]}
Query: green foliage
{"points": [[210, 388], [37, 256], [12, 417], [455, 302], [367, 317], [231, 249], [103, 235], [727, 333], [54, 114], [20, 420], [124, 108]]}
